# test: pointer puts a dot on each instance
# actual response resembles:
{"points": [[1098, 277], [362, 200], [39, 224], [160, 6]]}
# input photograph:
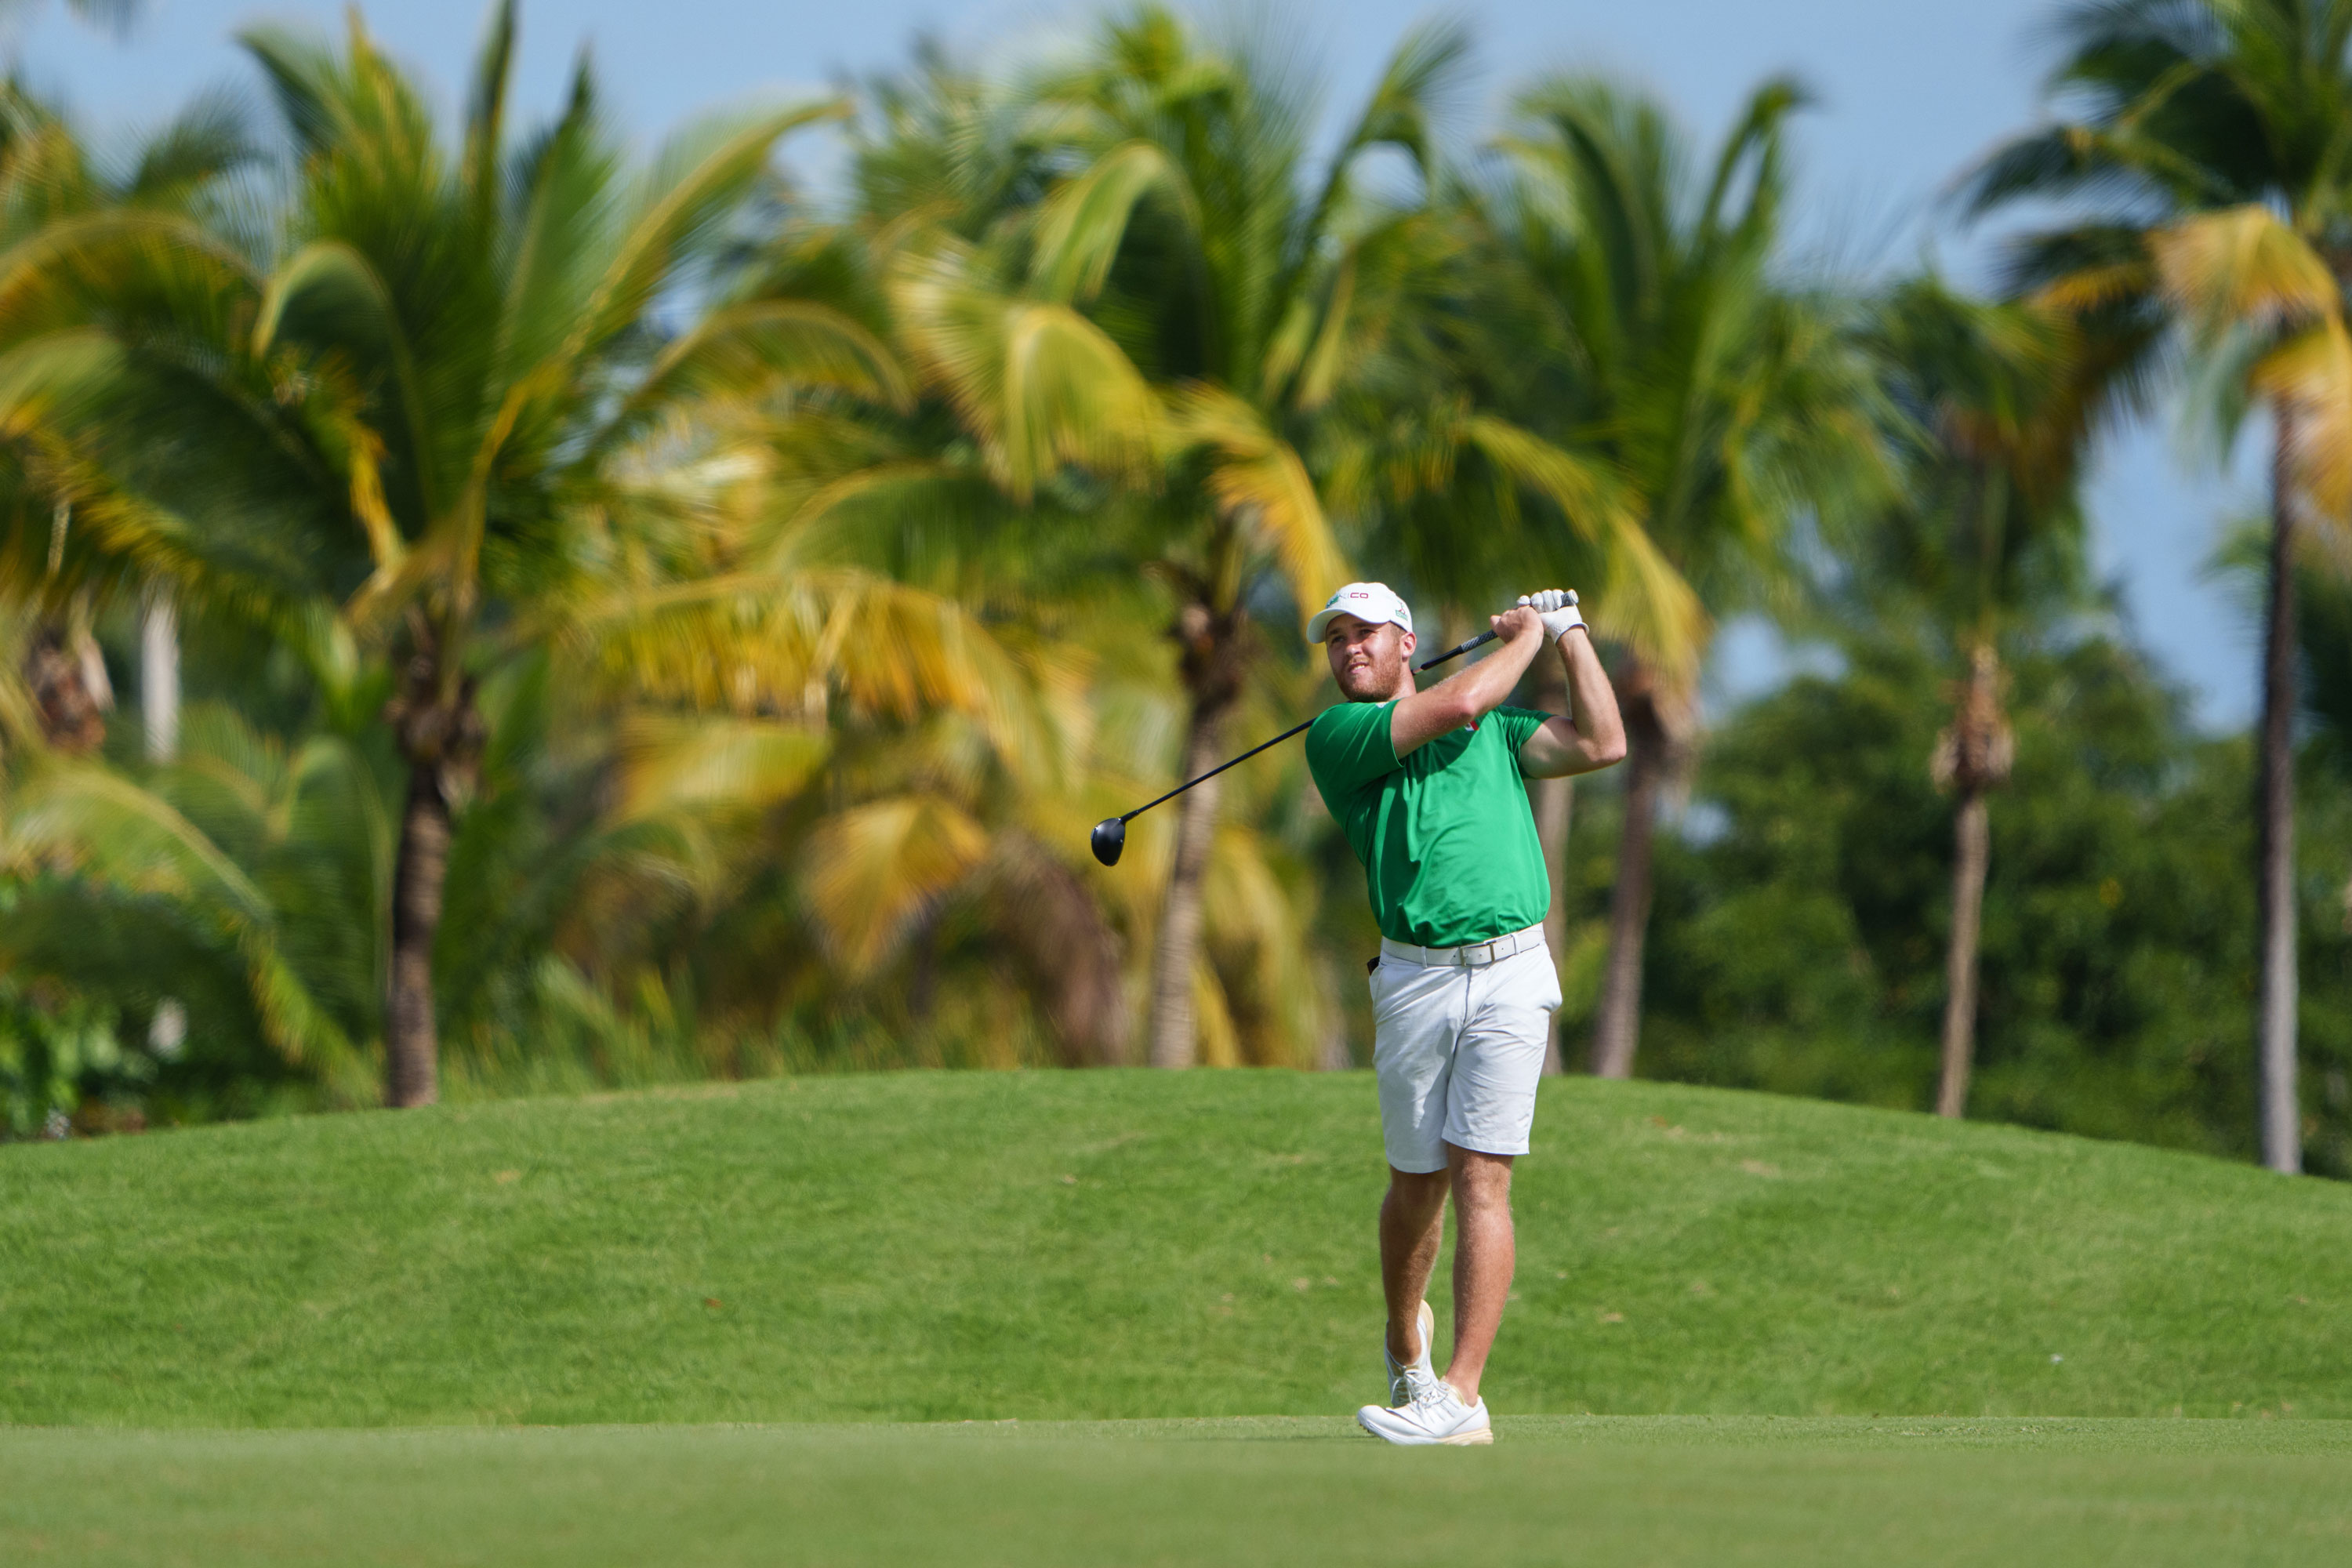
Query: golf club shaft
{"points": [[1212, 773], [1456, 651], [1450, 653]]}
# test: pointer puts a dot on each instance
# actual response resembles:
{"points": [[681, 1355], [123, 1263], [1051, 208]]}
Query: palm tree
{"points": [[1260, 333], [985, 485], [917, 788], [239, 880], [2263, 304], [56, 574], [2204, 138], [901, 829], [1726, 402], [1100, 335], [1193, 231], [251, 876], [450, 406], [1984, 541]]}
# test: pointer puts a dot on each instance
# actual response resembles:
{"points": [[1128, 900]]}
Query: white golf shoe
{"points": [[1404, 1381], [1436, 1415]]}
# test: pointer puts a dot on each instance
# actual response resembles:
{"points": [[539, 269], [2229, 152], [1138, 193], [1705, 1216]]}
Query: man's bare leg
{"points": [[1484, 1253], [1412, 1222]]}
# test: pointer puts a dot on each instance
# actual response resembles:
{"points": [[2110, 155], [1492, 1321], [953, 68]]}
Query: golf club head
{"points": [[1111, 837]]}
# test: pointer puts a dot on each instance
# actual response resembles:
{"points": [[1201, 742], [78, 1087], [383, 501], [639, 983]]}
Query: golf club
{"points": [[1110, 833]]}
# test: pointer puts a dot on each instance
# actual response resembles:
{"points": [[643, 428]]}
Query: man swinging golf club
{"points": [[1428, 785]]}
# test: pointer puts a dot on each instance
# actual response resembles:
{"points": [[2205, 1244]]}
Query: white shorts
{"points": [[1458, 1050]]}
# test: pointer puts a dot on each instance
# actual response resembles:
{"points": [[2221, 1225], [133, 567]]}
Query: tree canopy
{"points": [[640, 616]]}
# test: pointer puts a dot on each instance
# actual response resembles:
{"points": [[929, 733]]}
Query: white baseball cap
{"points": [[1370, 601]]}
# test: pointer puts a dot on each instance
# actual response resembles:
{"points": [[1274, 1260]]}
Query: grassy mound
{"points": [[1595, 1491], [931, 1246]]}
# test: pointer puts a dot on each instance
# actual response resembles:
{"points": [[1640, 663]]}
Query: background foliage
{"points": [[880, 543]]}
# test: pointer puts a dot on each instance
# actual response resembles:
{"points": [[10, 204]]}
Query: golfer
{"points": [[1429, 786]]}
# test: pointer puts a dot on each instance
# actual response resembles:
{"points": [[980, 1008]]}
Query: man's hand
{"points": [[1557, 608], [1466, 698], [1513, 624]]}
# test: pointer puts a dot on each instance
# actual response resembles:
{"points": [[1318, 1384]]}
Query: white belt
{"points": [[1469, 956]]}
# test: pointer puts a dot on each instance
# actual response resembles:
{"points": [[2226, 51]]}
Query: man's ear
{"points": [[1406, 643]]}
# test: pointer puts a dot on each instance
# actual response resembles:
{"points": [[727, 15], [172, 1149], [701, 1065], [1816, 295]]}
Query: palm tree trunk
{"points": [[1555, 807], [1971, 854], [65, 677], [1176, 950], [1618, 1028], [159, 673], [1069, 955], [2282, 1130], [1332, 1052], [63, 672], [159, 711], [412, 1043], [441, 733]]}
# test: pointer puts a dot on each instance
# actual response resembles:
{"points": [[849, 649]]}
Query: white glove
{"points": [[1557, 608]]}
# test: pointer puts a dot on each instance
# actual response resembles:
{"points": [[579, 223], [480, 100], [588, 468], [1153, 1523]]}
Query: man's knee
{"points": [[1418, 1190], [1478, 1180]]}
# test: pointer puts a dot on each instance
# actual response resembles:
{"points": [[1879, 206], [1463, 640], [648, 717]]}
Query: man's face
{"points": [[1366, 659]]}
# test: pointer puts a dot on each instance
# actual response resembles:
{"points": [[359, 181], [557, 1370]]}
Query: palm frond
{"points": [[1258, 478], [1042, 385], [1082, 224], [2309, 378], [2242, 268], [121, 836], [871, 869], [485, 109], [693, 188], [208, 139], [743, 350], [674, 764]]}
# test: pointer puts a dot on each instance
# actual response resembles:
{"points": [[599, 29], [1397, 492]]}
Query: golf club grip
{"points": [[1479, 641]]}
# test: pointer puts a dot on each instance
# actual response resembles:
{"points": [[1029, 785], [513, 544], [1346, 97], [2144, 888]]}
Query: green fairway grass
{"points": [[938, 1247], [1300, 1493]]}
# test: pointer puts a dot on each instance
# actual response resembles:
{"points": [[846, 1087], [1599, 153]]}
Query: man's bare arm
{"points": [[1593, 736], [1479, 690]]}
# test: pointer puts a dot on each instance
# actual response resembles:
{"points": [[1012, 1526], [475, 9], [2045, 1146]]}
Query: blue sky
{"points": [[1908, 93]]}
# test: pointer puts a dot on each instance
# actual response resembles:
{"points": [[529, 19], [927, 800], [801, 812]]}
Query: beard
{"points": [[1373, 680]]}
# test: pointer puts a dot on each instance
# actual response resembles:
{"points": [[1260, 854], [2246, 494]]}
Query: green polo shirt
{"points": [[1447, 842]]}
